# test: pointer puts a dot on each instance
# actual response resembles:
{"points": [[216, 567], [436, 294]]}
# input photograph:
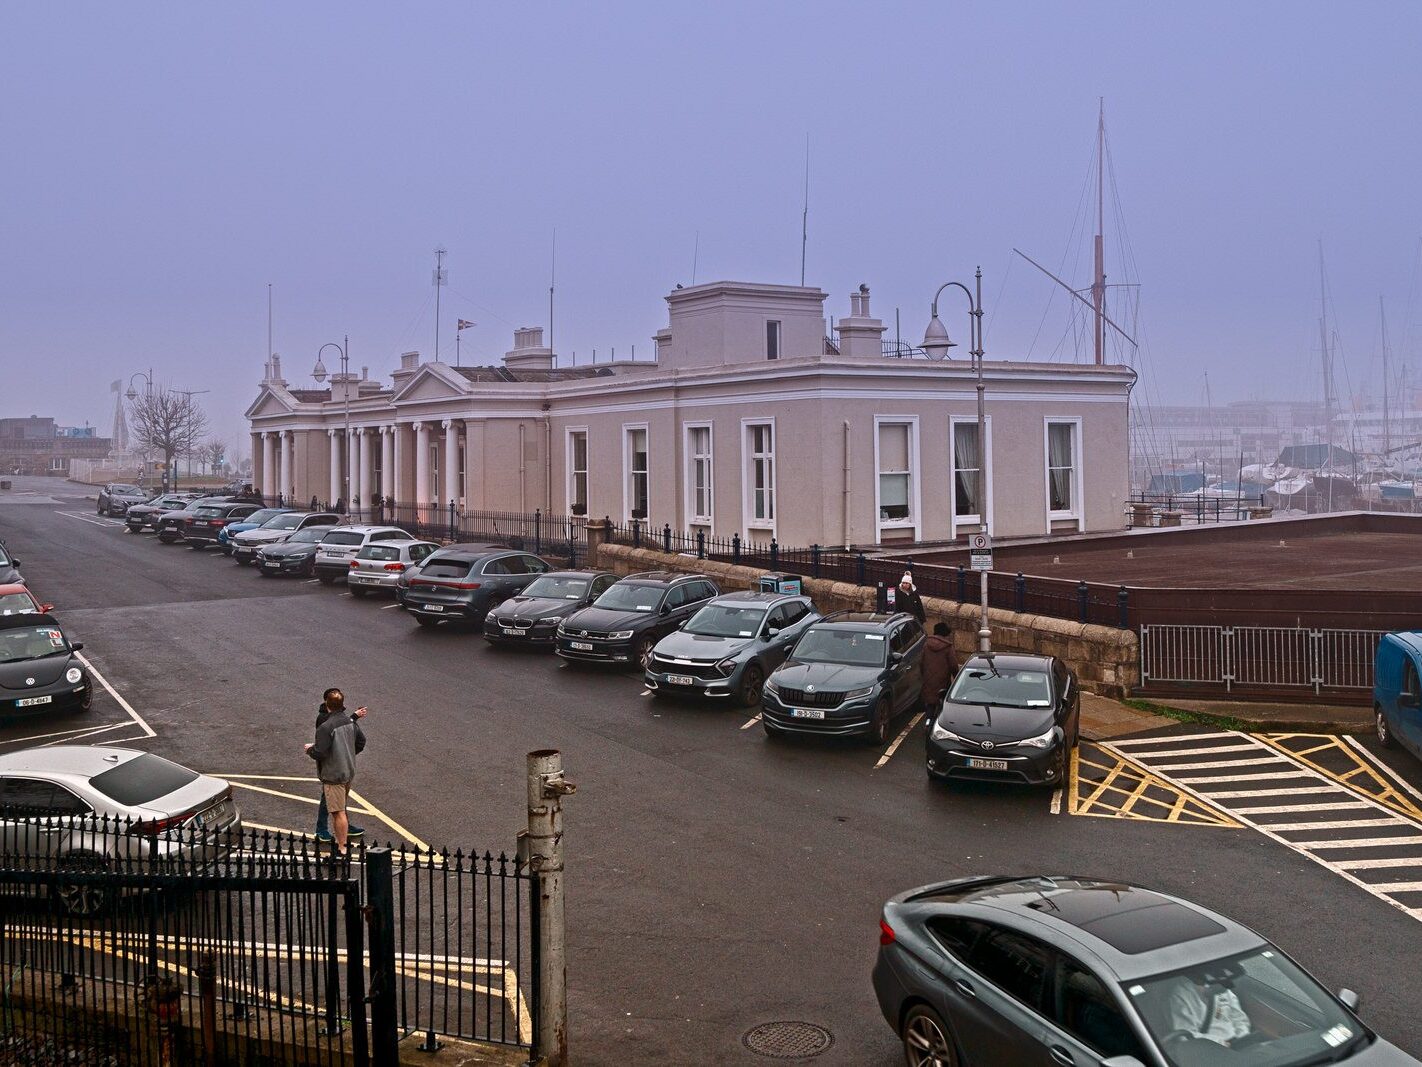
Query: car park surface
{"points": [[625, 623], [730, 646], [531, 618]]}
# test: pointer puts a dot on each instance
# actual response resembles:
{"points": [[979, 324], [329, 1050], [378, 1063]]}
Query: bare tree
{"points": [[212, 452], [167, 422]]}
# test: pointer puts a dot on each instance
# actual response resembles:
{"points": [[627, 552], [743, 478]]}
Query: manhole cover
{"points": [[788, 1041]]}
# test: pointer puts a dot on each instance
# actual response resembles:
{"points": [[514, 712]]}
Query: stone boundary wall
{"points": [[1106, 660]]}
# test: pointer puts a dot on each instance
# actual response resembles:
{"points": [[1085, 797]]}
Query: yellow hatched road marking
{"points": [[360, 805], [1364, 779], [1125, 792]]}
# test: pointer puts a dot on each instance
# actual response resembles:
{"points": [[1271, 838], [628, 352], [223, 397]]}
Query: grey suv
{"points": [[457, 585], [729, 647], [626, 622], [849, 673]]}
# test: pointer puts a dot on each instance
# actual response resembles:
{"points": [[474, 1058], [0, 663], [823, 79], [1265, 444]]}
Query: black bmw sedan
{"points": [[1008, 717], [531, 618], [39, 670]]}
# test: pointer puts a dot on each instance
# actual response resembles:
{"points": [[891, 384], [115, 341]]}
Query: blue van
{"points": [[1397, 691]]}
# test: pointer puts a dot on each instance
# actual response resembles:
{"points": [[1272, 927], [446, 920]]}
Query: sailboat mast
{"points": [[1327, 372], [1387, 422], [1098, 283]]}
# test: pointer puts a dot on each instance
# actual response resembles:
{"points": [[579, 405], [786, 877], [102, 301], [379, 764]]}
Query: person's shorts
{"points": [[336, 794]]}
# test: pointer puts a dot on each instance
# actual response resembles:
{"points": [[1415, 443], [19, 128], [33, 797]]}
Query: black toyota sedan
{"points": [[1008, 717], [39, 669], [626, 622], [531, 618]]}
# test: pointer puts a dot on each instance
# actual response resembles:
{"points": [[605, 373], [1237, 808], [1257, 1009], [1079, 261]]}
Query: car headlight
{"points": [[1045, 740], [942, 733], [860, 694], [73, 675], [771, 687], [562, 628], [727, 666], [620, 635]]}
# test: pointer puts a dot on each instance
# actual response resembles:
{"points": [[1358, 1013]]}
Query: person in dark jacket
{"points": [[939, 666], [339, 739], [907, 598], [323, 817]]}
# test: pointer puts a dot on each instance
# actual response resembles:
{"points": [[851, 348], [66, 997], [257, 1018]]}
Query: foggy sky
{"points": [[163, 163]]}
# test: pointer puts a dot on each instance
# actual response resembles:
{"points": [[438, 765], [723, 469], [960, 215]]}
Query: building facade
{"points": [[750, 420], [36, 445]]}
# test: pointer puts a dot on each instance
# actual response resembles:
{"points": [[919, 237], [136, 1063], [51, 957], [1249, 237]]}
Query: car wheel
{"points": [[87, 899], [644, 653], [752, 685], [926, 1039], [1385, 738], [878, 732], [426, 622]]}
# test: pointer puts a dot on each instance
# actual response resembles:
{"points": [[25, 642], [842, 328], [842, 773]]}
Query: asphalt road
{"points": [[716, 880]]}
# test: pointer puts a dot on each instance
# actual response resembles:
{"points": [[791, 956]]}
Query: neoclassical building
{"points": [[751, 419]]}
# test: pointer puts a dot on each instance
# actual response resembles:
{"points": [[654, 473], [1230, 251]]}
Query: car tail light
{"points": [[394, 566], [464, 585], [354, 565], [218, 522], [886, 933], [160, 826]]}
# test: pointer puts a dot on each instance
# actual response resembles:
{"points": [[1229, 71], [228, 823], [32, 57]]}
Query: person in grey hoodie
{"points": [[338, 739]]}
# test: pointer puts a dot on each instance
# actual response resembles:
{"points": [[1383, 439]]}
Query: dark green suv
{"points": [[849, 673]]}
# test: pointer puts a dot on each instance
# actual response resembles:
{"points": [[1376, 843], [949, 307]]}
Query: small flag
{"points": [[464, 324]]}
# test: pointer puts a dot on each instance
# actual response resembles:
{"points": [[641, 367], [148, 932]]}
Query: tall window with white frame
{"points": [[578, 472], [698, 458], [1062, 488], [637, 477], [772, 339], [967, 459], [760, 476], [895, 474]]}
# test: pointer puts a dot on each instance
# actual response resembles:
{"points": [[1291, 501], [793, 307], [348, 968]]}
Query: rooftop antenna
{"points": [[695, 255], [552, 279], [441, 279], [269, 320], [805, 212], [1098, 283]]}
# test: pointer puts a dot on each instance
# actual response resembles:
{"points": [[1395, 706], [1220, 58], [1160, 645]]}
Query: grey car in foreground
{"points": [[730, 646], [1075, 972]]}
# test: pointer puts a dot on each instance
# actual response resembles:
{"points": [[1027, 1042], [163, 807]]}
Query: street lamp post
{"points": [[936, 344], [132, 395], [319, 373]]}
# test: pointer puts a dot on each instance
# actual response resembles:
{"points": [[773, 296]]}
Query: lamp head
{"points": [[935, 339], [319, 371], [132, 393]]}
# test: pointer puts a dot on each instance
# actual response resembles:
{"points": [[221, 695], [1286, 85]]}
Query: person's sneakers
{"points": [[325, 837], [355, 831]]}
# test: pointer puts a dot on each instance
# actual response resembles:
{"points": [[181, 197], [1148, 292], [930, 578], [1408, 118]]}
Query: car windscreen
{"points": [[16, 604], [853, 647], [378, 552], [310, 535], [1256, 1009], [31, 642], [448, 567], [1006, 688], [126, 490], [344, 537], [726, 620], [4, 559], [555, 588], [262, 515], [208, 512], [287, 520], [142, 780], [631, 596]]}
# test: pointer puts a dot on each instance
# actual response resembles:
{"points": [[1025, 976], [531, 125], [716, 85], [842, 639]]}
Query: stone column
{"points": [[363, 444], [335, 436], [287, 443], [352, 487], [401, 491], [387, 461], [451, 461], [270, 486], [422, 463], [256, 462]]}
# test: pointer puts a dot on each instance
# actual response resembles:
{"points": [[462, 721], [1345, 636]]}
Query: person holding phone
{"points": [[338, 739]]}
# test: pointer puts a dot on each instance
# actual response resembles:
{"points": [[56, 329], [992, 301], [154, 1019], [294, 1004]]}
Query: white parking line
{"points": [[389, 607], [1141, 742], [1336, 824], [110, 524], [1202, 750], [748, 725], [1218, 763], [896, 742], [346, 594], [148, 731]]}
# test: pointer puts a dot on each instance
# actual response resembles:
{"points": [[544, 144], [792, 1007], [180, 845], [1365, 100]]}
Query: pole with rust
{"points": [[546, 790]]}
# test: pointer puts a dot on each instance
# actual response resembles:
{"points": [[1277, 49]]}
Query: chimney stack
{"points": [[860, 335], [529, 352]]}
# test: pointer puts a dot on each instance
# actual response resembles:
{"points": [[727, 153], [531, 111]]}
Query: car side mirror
{"points": [[1349, 999], [14, 562], [772, 631], [77, 646], [1122, 1061], [895, 658], [666, 609]]}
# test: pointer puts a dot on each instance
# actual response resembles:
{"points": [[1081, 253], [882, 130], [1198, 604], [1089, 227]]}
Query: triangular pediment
{"points": [[269, 403], [433, 381]]}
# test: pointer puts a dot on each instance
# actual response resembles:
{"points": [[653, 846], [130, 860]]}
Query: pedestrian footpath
{"points": [[1370, 840]]}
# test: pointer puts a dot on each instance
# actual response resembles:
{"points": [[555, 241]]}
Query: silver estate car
{"points": [[378, 566], [91, 806]]}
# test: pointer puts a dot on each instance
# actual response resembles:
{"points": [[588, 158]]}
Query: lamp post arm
{"points": [[972, 304]]}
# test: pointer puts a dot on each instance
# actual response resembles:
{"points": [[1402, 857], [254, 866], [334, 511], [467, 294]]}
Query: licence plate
{"points": [[29, 702], [363, 578], [512, 632], [199, 522], [987, 764], [806, 713], [582, 646], [271, 566], [681, 679], [433, 607]]}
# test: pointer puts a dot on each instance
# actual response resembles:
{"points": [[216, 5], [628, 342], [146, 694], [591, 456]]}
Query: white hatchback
{"points": [[339, 547]]}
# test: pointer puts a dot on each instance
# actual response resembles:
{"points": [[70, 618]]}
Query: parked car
{"points": [[276, 530], [9, 568], [531, 618], [730, 646], [849, 673], [626, 622], [251, 522], [87, 804], [16, 599], [457, 585], [1056, 970], [403, 579], [296, 555], [338, 548], [116, 497], [169, 524], [208, 521], [140, 517], [377, 566], [1009, 718], [1397, 691], [39, 669]]}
